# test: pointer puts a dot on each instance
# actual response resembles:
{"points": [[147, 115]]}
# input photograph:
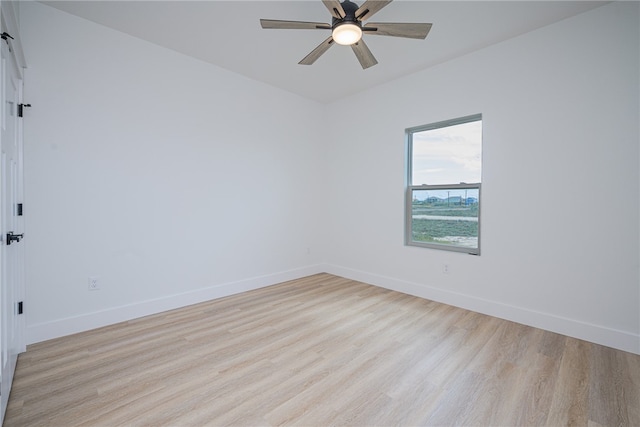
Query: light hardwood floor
{"points": [[323, 351]]}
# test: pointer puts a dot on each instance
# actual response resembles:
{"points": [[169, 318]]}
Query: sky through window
{"points": [[448, 155]]}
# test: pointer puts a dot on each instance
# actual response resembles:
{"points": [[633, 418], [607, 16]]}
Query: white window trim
{"points": [[411, 188]]}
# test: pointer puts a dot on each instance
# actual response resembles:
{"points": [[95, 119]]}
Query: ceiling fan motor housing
{"points": [[350, 9]]}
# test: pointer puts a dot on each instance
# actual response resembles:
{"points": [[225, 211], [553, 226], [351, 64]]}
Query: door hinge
{"points": [[6, 36], [21, 108], [19, 209], [20, 307]]}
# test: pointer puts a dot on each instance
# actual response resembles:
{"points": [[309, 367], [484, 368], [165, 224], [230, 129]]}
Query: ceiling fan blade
{"points": [[293, 25], [404, 29], [369, 8], [335, 8], [363, 54], [317, 52]]}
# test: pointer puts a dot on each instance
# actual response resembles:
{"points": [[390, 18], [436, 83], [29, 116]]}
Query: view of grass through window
{"points": [[445, 217], [444, 185]]}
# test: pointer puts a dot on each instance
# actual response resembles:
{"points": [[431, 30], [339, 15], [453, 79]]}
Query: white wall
{"points": [[560, 235], [175, 181], [172, 180]]}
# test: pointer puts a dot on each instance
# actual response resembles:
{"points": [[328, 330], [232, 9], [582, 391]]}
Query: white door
{"points": [[11, 223]]}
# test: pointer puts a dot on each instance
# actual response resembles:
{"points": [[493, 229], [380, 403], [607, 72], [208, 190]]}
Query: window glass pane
{"points": [[447, 155], [445, 216]]}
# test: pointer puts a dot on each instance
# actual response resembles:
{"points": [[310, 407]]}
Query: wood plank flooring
{"points": [[319, 351]]}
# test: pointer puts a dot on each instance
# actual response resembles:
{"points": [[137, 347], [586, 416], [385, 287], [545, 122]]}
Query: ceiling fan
{"points": [[347, 28]]}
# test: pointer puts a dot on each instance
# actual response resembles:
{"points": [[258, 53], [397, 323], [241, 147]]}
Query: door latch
{"points": [[13, 237]]}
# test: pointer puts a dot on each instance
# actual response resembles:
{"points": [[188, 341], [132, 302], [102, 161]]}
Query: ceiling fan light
{"points": [[347, 34]]}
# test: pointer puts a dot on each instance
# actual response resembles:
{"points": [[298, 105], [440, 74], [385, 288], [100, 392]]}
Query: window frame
{"points": [[410, 188]]}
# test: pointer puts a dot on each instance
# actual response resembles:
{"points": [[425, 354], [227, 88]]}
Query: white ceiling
{"points": [[228, 34]]}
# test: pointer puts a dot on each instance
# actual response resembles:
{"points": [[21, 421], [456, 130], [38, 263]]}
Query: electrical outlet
{"points": [[445, 268], [94, 283]]}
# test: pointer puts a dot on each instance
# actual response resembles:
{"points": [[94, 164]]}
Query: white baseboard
{"points": [[621, 340], [71, 325]]}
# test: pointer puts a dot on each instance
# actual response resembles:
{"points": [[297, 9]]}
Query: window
{"points": [[444, 165]]}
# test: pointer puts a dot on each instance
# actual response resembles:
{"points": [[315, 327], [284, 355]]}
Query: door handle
{"points": [[13, 237]]}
